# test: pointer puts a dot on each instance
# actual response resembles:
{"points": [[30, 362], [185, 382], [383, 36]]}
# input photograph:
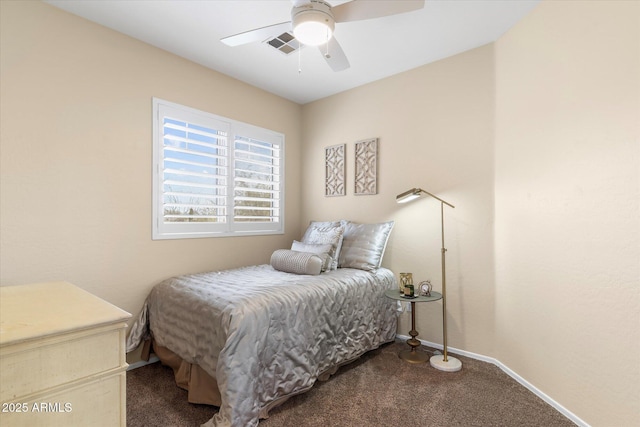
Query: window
{"points": [[214, 176]]}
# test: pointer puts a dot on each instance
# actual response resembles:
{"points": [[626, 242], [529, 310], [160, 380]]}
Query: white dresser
{"points": [[62, 357]]}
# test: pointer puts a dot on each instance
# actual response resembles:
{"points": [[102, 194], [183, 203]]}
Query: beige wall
{"points": [[546, 121], [435, 130], [567, 206], [75, 193]]}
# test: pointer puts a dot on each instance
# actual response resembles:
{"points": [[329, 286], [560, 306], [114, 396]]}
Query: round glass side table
{"points": [[413, 355]]}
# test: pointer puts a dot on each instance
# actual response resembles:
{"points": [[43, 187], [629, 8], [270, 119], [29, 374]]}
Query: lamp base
{"points": [[413, 356], [451, 365]]}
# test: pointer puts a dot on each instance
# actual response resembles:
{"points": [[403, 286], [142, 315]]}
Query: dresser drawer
{"points": [[96, 404], [28, 369]]}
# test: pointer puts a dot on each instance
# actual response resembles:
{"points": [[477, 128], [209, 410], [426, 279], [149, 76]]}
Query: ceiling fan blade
{"points": [[258, 34], [333, 53], [359, 10]]}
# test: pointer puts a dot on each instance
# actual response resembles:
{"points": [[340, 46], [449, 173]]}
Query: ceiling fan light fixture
{"points": [[313, 23], [312, 33]]}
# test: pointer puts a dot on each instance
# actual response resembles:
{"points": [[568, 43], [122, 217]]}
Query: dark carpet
{"points": [[379, 389]]}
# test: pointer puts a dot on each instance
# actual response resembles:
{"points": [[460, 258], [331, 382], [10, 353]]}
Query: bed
{"points": [[249, 338]]}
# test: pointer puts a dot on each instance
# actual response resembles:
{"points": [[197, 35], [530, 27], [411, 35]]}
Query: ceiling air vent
{"points": [[285, 43]]}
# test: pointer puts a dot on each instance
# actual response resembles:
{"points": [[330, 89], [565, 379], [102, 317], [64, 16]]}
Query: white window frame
{"points": [[183, 230]]}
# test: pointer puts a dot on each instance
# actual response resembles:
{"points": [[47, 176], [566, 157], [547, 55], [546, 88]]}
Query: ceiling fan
{"points": [[313, 21]]}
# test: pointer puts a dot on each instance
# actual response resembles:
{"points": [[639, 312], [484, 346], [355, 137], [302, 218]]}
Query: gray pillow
{"points": [[296, 262], [322, 250], [363, 245], [323, 233]]}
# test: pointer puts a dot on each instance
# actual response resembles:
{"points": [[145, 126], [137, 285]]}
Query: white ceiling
{"points": [[376, 48]]}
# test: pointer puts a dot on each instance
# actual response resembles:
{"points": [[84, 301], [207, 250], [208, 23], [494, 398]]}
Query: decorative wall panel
{"points": [[334, 158], [366, 181]]}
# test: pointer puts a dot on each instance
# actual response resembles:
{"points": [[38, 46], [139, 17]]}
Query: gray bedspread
{"points": [[266, 334]]}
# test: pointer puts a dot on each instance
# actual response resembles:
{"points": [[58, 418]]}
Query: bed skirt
{"points": [[202, 388]]}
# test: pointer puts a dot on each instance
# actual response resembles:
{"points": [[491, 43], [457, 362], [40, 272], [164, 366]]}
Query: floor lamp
{"points": [[442, 362]]}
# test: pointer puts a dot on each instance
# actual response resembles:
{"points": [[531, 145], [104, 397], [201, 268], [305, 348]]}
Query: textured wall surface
{"points": [[434, 127], [567, 206], [75, 135]]}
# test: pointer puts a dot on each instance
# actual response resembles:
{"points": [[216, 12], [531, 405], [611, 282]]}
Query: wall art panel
{"points": [[366, 173], [334, 158]]}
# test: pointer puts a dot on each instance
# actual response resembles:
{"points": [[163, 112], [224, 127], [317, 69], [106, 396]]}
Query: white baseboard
{"points": [[564, 411], [141, 363]]}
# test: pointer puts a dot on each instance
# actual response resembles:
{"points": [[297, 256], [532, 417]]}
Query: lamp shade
{"points": [[414, 193], [408, 195]]}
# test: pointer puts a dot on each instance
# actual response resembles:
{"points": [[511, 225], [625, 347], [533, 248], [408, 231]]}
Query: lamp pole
{"points": [[444, 285], [444, 363]]}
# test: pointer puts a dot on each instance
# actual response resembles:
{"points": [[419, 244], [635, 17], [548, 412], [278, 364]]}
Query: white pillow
{"points": [[296, 262], [323, 233], [322, 250], [313, 224], [363, 245]]}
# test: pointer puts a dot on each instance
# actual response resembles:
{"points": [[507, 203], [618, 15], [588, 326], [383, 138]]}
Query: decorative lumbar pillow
{"points": [[322, 250], [363, 245], [296, 262], [323, 233]]}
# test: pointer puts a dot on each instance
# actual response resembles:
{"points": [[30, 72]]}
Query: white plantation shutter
{"points": [[257, 184], [214, 176]]}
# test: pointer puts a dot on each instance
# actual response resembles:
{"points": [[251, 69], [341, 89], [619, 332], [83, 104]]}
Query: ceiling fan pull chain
{"points": [[328, 37], [299, 60]]}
